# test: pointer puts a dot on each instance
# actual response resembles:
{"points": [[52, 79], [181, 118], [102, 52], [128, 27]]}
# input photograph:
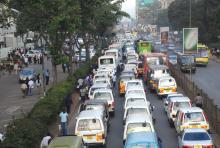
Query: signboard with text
{"points": [[190, 40]]}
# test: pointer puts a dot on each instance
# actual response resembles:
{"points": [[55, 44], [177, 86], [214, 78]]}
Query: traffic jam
{"points": [[128, 72]]}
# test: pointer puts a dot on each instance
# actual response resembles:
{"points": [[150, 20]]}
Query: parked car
{"points": [[29, 73], [195, 138]]}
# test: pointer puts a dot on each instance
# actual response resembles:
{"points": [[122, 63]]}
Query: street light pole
{"points": [[190, 13]]}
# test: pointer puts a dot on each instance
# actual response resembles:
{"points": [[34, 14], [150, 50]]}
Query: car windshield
{"points": [[135, 127], [133, 84], [89, 124], [196, 136], [93, 89], [26, 72], [134, 99], [194, 117], [178, 105], [100, 76], [187, 59], [94, 107], [127, 78], [101, 81], [111, 53], [106, 61], [167, 83], [174, 58], [103, 96]]}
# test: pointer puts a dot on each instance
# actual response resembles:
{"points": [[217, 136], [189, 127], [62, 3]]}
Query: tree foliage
{"points": [[204, 16]]}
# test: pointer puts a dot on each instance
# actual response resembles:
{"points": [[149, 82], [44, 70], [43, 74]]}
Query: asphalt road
{"points": [[207, 78], [167, 134]]}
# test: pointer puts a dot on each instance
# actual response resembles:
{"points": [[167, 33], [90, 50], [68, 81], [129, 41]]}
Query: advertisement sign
{"points": [[144, 3], [190, 40], [164, 35]]}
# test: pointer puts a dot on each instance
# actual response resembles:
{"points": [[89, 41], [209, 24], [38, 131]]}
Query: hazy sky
{"points": [[129, 7]]}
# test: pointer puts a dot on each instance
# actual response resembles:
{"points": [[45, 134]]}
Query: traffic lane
{"points": [[164, 131], [115, 134], [207, 78]]}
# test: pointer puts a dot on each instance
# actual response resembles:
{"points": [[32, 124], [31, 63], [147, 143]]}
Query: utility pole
{"points": [[190, 13]]}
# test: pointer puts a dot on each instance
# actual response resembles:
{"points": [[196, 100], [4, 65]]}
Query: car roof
{"points": [[136, 95], [138, 87], [112, 50], [66, 141], [139, 117], [90, 114], [102, 79], [137, 104], [141, 137], [179, 99], [158, 67], [95, 85], [127, 75], [172, 95], [166, 77], [191, 109], [95, 101], [106, 56], [135, 80], [103, 90]]}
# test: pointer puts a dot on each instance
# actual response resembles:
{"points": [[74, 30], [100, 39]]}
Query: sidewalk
{"points": [[13, 105], [214, 58]]}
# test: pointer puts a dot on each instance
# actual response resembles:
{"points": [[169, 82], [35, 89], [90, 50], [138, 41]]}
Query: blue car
{"points": [[143, 140], [29, 73]]}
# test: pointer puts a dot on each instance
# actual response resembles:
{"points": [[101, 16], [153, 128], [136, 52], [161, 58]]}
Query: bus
{"points": [[150, 59], [144, 47], [202, 57]]}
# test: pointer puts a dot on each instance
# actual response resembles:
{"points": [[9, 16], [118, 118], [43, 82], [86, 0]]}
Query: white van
{"points": [[92, 126], [137, 123], [107, 61], [166, 85], [113, 52]]}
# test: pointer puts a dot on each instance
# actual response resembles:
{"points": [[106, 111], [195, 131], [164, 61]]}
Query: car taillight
{"points": [[187, 146], [208, 146], [206, 118]]}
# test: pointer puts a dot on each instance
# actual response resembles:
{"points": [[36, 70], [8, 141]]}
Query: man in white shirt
{"points": [[31, 86], [45, 141], [64, 119]]}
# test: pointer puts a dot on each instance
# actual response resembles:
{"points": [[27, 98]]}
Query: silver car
{"points": [[195, 138]]}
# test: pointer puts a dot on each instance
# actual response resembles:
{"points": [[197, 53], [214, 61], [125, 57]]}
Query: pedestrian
{"points": [[26, 82], [68, 102], [199, 101], [64, 67], [45, 141], [24, 89], [29, 59], [82, 93], [35, 59], [64, 119], [26, 61], [114, 79], [2, 137], [47, 76], [16, 68], [38, 83], [31, 87]]}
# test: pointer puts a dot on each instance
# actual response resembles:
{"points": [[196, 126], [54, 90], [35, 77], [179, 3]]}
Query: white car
{"points": [[195, 138], [137, 107], [97, 86], [133, 84], [176, 103], [105, 94], [167, 99], [137, 123]]}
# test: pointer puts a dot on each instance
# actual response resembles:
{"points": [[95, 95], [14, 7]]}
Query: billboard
{"points": [[190, 40], [164, 35], [144, 3]]}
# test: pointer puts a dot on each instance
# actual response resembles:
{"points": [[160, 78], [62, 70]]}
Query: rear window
{"points": [[137, 111], [167, 83], [131, 84], [103, 96], [135, 127], [127, 78], [196, 136], [177, 105], [194, 117], [89, 124]]}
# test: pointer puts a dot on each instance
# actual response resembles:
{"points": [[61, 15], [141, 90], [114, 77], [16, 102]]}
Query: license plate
{"points": [[89, 137], [197, 146], [194, 126]]}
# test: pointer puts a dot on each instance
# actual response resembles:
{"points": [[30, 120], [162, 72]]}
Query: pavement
{"points": [[13, 105]]}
